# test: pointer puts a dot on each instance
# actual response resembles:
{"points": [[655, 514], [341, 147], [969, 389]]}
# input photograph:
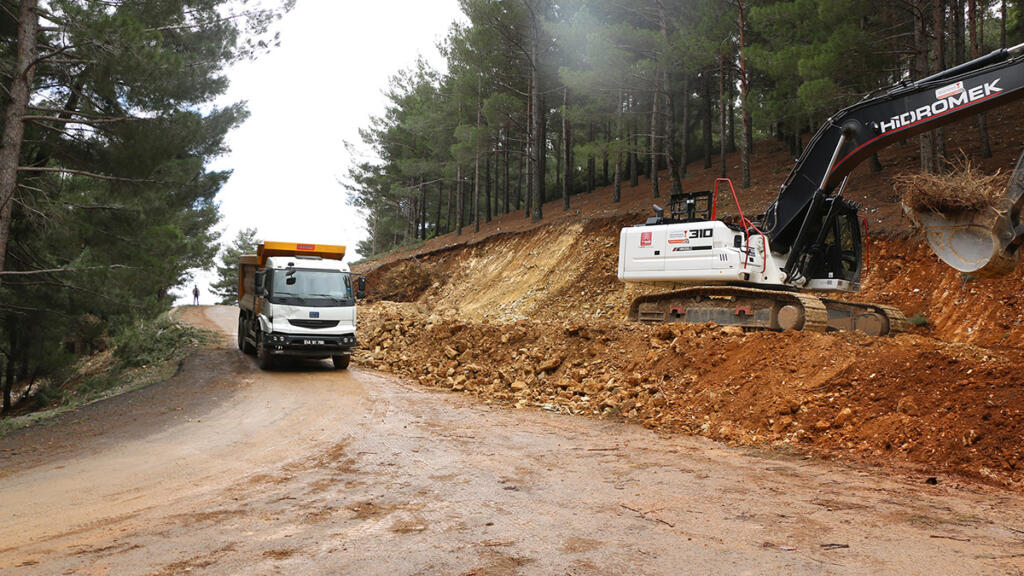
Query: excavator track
{"points": [[760, 309], [897, 321], [869, 318], [750, 308]]}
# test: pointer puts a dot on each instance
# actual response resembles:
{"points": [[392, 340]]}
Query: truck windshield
{"points": [[309, 287]]}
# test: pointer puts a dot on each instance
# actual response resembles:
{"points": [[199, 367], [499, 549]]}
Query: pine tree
{"points": [[226, 285], [104, 181]]}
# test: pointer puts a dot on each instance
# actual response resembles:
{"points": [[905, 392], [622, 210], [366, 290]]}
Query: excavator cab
{"points": [[833, 261], [983, 243]]}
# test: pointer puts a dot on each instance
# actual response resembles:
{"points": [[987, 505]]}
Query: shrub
{"points": [[918, 320], [154, 341]]}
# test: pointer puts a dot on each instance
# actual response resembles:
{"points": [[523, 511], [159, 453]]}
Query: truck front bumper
{"points": [[310, 346]]}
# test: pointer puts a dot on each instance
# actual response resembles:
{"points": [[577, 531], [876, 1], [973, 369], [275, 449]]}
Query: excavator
{"points": [[766, 273]]}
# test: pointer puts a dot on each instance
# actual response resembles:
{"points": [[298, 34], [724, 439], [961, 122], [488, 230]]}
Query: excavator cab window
{"points": [[842, 254], [836, 252], [691, 207], [849, 243]]}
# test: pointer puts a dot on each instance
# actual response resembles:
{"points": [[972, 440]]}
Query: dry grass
{"points": [[964, 188]]}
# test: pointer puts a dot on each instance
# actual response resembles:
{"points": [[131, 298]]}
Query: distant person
{"points": [[195, 295]]}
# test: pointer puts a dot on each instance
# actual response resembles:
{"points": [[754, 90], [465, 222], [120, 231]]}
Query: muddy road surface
{"points": [[228, 470]]}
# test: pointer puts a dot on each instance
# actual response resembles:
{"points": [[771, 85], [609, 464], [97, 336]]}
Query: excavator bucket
{"points": [[982, 243]]}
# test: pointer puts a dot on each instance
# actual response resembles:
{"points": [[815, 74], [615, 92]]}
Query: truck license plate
{"points": [[313, 342]]}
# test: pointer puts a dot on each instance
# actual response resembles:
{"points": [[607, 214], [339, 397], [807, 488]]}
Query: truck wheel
{"points": [[263, 357], [241, 334], [243, 331], [340, 362]]}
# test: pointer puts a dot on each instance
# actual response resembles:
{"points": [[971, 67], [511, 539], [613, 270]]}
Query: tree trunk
{"points": [[6, 385], [10, 375], [591, 161], [604, 156], [977, 46], [437, 213], [476, 157], [566, 136], [423, 210], [458, 202], [14, 128], [506, 182], [617, 186], [675, 186], [451, 210], [683, 156], [705, 87], [927, 149], [959, 32], [487, 184], [519, 179], [748, 129], [559, 142], [634, 161], [1002, 24], [653, 147], [540, 155], [723, 144], [530, 164], [409, 213], [731, 116], [539, 139], [373, 234]]}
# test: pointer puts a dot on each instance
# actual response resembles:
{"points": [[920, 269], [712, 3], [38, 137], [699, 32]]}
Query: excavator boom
{"points": [[853, 134]]}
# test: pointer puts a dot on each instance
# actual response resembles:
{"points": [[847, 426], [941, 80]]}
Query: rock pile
{"points": [[912, 398]]}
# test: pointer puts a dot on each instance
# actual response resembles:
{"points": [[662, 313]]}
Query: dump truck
{"points": [[297, 300]]}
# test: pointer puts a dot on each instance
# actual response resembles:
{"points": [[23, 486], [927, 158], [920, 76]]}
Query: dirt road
{"points": [[229, 470]]}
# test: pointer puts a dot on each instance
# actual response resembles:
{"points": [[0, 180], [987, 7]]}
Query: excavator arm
{"points": [[810, 219]]}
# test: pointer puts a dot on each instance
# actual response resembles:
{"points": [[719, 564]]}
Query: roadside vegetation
{"points": [[107, 197], [142, 354]]}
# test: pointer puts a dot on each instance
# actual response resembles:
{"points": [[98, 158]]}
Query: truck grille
{"points": [[314, 323]]}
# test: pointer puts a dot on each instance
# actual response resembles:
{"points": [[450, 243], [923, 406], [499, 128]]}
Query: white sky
{"points": [[308, 97]]}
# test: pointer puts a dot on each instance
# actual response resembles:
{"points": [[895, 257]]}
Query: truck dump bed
{"points": [[249, 264]]}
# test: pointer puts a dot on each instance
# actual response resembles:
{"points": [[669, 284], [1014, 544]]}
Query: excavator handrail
{"points": [[746, 222], [714, 200]]}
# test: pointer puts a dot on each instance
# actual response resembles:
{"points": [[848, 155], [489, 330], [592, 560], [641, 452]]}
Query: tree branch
{"points": [[53, 270], [48, 56], [87, 122], [87, 174]]}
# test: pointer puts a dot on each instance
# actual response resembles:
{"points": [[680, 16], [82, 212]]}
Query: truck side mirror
{"points": [[258, 279], [361, 287]]}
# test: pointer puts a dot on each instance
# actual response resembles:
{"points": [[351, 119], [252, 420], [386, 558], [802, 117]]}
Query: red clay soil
{"points": [[534, 315], [504, 322], [906, 399]]}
